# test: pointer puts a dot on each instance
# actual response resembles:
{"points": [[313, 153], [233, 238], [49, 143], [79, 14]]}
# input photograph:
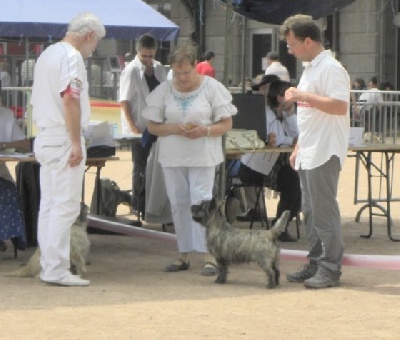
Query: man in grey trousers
{"points": [[322, 98]]}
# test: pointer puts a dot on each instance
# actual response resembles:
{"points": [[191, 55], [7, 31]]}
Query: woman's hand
{"points": [[194, 131]]}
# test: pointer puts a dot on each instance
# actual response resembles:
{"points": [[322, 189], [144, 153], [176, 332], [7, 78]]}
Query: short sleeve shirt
{"points": [[322, 135], [134, 89], [59, 66], [208, 104]]}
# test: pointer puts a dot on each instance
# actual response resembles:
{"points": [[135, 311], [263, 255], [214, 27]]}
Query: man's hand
{"points": [[292, 94], [134, 129], [76, 156]]}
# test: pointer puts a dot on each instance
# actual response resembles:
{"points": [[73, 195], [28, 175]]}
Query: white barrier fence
{"points": [[378, 112]]}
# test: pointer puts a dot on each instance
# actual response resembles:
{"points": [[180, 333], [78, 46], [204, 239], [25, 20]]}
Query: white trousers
{"points": [[187, 186], [60, 190]]}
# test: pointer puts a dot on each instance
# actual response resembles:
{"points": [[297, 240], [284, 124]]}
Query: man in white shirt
{"points": [[61, 111], [274, 66], [141, 76], [323, 119], [373, 94]]}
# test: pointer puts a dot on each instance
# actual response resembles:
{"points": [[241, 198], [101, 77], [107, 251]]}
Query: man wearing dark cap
{"points": [[262, 86], [274, 66]]}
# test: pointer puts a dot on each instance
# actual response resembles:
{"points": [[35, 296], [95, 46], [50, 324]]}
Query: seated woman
{"points": [[273, 169], [12, 226]]}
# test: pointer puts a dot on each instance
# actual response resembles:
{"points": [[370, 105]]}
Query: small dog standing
{"points": [[80, 246], [229, 245]]}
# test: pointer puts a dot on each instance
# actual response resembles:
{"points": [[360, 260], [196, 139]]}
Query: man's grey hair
{"points": [[87, 22]]}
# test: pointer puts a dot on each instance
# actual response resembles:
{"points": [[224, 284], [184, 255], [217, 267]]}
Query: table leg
{"points": [[389, 159], [98, 190], [369, 174]]}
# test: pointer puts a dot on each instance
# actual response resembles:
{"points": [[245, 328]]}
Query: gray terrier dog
{"points": [[80, 247], [229, 245]]}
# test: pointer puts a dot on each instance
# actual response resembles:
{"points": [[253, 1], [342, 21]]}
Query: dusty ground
{"points": [[131, 297]]}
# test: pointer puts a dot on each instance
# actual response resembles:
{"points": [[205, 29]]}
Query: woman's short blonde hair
{"points": [[185, 53]]}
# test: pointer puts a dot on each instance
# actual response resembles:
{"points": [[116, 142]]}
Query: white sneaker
{"points": [[69, 280]]}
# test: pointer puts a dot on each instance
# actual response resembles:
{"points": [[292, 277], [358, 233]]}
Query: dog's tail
{"points": [[280, 225], [31, 269]]}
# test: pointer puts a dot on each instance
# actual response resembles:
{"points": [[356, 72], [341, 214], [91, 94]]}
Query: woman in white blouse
{"points": [[189, 113]]}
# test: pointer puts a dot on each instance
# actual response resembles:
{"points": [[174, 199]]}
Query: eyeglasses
{"points": [[291, 47]]}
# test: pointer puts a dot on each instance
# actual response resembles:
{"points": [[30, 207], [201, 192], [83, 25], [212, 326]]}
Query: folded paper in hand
{"points": [[240, 139]]}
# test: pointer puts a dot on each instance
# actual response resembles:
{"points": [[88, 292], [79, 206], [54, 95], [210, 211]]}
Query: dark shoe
{"points": [[177, 267], [308, 271], [324, 278], [249, 215], [3, 246], [209, 269], [286, 237]]}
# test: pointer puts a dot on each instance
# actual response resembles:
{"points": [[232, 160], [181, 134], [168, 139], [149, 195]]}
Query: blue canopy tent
{"points": [[29, 20], [49, 18]]}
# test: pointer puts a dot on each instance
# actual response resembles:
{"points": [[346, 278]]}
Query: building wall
{"points": [[367, 38]]}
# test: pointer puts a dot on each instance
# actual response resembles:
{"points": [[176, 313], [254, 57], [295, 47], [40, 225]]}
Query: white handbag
{"points": [[240, 139]]}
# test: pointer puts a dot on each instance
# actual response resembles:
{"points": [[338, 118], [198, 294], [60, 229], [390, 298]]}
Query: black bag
{"points": [[109, 192], [101, 151], [271, 180]]}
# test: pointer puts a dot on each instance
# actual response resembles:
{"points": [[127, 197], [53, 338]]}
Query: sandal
{"points": [[177, 267], [209, 269]]}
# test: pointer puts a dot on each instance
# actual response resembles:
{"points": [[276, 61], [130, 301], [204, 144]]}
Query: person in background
{"points": [[61, 111], [189, 113], [206, 67], [323, 103], [275, 67], [139, 78], [251, 213], [372, 95], [5, 78], [27, 71], [263, 85], [127, 58], [386, 86], [357, 85], [12, 226], [257, 168], [5, 81]]}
